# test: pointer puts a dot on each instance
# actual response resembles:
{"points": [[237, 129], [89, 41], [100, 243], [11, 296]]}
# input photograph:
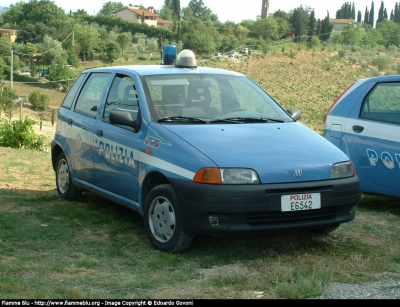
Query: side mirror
{"points": [[294, 113], [124, 118]]}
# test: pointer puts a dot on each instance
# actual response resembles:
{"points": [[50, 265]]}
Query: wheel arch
{"points": [[152, 179], [56, 150]]}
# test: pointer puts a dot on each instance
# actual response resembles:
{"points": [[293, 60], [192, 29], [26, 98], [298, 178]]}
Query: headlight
{"points": [[226, 176], [239, 176], [342, 170]]}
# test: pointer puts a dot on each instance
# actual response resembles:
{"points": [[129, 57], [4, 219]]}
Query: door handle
{"points": [[69, 121], [358, 129], [99, 132]]}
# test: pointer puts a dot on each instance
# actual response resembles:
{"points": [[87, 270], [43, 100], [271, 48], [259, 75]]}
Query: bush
{"points": [[382, 62], [19, 133], [39, 100]]}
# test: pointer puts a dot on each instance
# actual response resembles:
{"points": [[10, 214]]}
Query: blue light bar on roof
{"points": [[169, 55]]}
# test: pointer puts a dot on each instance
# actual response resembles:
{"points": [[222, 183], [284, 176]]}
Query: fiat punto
{"points": [[198, 150]]}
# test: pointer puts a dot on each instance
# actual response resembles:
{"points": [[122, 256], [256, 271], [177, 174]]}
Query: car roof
{"points": [[146, 70]]}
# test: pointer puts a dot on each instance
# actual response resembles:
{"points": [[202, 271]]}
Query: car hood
{"points": [[274, 150]]}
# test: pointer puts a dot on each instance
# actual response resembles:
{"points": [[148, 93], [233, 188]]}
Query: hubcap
{"points": [[162, 219], [63, 176]]}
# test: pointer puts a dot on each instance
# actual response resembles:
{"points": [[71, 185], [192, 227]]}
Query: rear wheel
{"points": [[65, 187], [163, 220]]}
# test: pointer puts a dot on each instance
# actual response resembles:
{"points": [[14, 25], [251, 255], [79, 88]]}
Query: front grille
{"points": [[280, 218]]}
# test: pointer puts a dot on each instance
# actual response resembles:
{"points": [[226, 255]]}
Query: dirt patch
{"points": [[231, 269]]}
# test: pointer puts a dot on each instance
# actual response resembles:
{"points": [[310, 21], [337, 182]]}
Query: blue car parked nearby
{"points": [[198, 150], [364, 122]]}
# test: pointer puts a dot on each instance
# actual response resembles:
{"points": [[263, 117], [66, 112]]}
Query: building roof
{"points": [[163, 22], [11, 31], [341, 21], [138, 11]]}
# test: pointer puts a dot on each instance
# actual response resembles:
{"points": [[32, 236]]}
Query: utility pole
{"points": [[12, 68]]}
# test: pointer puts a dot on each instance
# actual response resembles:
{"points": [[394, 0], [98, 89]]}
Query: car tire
{"points": [[65, 187], [163, 220]]}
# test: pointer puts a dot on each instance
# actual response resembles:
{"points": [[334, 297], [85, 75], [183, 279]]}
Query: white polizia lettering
{"points": [[117, 153]]}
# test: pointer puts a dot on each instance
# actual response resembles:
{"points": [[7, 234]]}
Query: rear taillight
{"points": [[334, 103]]}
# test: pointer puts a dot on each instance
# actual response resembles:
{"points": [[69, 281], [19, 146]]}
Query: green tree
{"points": [[7, 95], [266, 29], [312, 25], [5, 47], [371, 14], [109, 8], [300, 20], [60, 72], [390, 32], [381, 12], [113, 51], [353, 34], [80, 13], [15, 13], [34, 33], [359, 17], [45, 11], [50, 50], [72, 58], [346, 11], [166, 13], [326, 28], [199, 36], [366, 16], [372, 37], [30, 50], [87, 37], [39, 100], [124, 40]]}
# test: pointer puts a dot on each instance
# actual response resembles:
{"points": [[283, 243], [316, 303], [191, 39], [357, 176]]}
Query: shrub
{"points": [[19, 133], [39, 100], [382, 62]]}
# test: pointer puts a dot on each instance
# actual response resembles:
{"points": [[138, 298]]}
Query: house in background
{"points": [[9, 34], [136, 14], [340, 24]]}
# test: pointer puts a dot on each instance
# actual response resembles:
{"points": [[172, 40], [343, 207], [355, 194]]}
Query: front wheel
{"points": [[65, 187], [163, 220]]}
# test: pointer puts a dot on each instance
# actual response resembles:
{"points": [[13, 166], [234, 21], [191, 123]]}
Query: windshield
{"points": [[210, 98]]}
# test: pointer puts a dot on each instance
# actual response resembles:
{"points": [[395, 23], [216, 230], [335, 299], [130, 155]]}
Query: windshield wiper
{"points": [[182, 119], [241, 120]]}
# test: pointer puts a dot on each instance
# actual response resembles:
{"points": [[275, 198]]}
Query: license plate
{"points": [[298, 202]]}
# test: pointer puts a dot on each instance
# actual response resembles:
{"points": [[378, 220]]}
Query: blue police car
{"points": [[198, 150], [364, 122]]}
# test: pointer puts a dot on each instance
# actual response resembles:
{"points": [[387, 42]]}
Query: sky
{"points": [[232, 10]]}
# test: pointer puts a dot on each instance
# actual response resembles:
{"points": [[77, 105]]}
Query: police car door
{"points": [[375, 143], [116, 147], [80, 126]]}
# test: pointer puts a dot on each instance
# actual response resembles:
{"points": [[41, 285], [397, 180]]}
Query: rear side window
{"points": [[69, 98], [90, 96], [383, 103]]}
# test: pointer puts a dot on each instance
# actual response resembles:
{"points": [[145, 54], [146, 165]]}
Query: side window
{"points": [[69, 98], [122, 97], [383, 103], [90, 97]]}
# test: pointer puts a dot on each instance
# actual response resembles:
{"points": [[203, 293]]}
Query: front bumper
{"points": [[247, 209]]}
